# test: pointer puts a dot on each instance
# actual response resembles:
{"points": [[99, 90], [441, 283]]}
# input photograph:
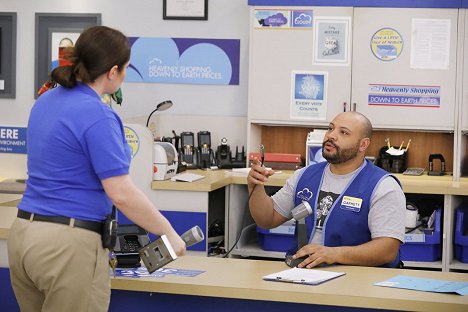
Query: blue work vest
{"points": [[347, 221]]}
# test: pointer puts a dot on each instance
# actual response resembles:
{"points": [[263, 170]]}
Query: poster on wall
{"points": [[60, 41], [332, 40], [386, 44], [184, 60], [430, 43], [309, 95], [404, 95], [282, 19]]}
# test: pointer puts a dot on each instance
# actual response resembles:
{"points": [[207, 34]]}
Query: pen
{"points": [[407, 145], [388, 142], [262, 153], [401, 145]]}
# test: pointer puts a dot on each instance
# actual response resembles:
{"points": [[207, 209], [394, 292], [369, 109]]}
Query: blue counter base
{"points": [[128, 301], [7, 296], [125, 301]]}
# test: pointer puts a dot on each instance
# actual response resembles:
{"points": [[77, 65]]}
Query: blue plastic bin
{"points": [[280, 238], [423, 247], [461, 237]]}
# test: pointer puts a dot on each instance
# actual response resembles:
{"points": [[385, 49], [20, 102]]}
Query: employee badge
{"points": [[351, 203]]}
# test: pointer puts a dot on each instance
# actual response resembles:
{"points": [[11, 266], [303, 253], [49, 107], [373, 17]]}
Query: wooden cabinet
{"points": [[274, 55]]}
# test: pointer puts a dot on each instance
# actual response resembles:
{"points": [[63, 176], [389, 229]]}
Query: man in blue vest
{"points": [[358, 209]]}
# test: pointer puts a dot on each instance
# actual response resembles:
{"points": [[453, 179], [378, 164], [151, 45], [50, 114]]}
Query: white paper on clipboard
{"points": [[303, 276]]}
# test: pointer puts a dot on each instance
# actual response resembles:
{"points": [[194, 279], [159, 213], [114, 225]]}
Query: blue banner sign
{"points": [[12, 140], [404, 95], [184, 60]]}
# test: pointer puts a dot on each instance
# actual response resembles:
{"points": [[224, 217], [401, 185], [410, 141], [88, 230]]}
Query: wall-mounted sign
{"points": [[184, 60], [12, 140], [273, 19], [404, 95], [331, 40], [309, 95], [430, 43], [132, 140], [386, 44]]}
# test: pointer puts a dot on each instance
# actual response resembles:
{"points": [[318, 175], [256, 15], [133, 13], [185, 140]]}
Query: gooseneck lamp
{"points": [[160, 107]]}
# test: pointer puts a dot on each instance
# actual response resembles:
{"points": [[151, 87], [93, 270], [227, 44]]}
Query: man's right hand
{"points": [[258, 174]]}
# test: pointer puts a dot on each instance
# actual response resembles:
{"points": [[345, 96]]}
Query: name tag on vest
{"points": [[351, 203]]}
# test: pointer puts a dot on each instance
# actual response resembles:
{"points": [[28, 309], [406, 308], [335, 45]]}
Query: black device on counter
{"points": [[224, 158], [187, 149], [204, 151], [130, 238], [433, 172]]}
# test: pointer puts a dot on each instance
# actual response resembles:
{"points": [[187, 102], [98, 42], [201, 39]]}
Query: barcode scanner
{"points": [[299, 213]]}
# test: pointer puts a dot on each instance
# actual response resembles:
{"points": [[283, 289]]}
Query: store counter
{"points": [[242, 280], [215, 179]]}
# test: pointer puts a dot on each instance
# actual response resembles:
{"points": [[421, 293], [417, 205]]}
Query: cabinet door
{"points": [[275, 53], [464, 107], [387, 86]]}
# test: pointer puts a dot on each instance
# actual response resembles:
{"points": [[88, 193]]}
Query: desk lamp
{"points": [[160, 107]]}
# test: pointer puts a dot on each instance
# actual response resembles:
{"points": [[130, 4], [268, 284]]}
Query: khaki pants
{"points": [[56, 267]]}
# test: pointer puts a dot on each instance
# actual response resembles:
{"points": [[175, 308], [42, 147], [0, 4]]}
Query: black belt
{"points": [[88, 225]]}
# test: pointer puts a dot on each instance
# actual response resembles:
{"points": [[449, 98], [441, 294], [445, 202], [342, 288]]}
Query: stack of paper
{"points": [[303, 276], [187, 177]]}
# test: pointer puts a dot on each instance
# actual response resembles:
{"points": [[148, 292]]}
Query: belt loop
{"points": [[31, 217], [72, 222]]}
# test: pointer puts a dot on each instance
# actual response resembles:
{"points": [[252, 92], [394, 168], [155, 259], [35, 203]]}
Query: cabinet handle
{"points": [[344, 106], [354, 107]]}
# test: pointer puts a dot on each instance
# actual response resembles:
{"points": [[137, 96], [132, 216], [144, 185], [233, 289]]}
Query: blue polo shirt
{"points": [[74, 141]]}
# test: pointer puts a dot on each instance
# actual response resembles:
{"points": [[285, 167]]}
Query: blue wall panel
{"points": [[181, 221]]}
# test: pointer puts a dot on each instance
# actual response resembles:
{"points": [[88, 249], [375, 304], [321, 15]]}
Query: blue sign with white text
{"points": [[184, 60], [12, 140]]}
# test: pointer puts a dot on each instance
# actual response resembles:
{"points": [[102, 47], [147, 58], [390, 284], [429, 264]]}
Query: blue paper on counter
{"points": [[143, 272], [426, 284]]}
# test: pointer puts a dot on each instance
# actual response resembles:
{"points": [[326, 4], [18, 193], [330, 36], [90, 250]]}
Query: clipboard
{"points": [[303, 276]]}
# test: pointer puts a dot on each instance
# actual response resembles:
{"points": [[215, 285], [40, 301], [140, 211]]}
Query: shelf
{"points": [[428, 265], [457, 265], [253, 250]]}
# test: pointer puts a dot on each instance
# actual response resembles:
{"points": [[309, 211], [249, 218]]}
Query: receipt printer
{"points": [[165, 161]]}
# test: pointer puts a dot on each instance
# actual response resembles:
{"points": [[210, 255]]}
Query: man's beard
{"points": [[341, 155]]}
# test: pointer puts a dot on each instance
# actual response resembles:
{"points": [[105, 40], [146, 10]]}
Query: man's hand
{"points": [[378, 251], [258, 174], [316, 255]]}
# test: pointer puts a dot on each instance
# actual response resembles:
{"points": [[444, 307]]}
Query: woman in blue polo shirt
{"points": [[78, 167]]}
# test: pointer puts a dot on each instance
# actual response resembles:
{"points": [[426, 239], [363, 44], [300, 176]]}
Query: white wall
{"points": [[222, 110]]}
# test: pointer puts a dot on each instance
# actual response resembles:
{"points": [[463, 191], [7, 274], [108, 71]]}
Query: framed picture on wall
{"points": [[59, 39], [332, 42], [55, 30], [0, 50], [185, 9], [7, 55]]}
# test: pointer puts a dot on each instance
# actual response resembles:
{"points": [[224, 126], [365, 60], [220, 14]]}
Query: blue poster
{"points": [[12, 140], [183, 60], [309, 95]]}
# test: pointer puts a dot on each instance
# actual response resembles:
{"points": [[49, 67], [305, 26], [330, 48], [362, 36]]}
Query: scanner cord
{"points": [[242, 222]]}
